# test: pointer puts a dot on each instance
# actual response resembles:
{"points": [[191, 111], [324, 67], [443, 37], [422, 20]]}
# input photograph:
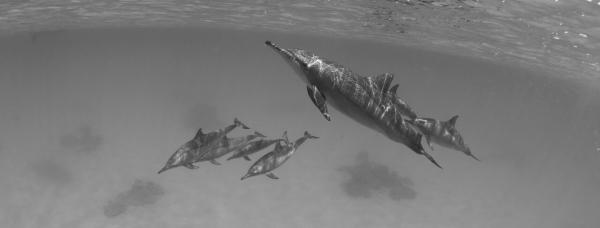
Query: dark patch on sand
{"points": [[367, 178], [53, 172], [142, 193], [83, 141]]}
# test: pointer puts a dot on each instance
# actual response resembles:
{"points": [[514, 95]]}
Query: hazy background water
{"points": [[87, 113]]}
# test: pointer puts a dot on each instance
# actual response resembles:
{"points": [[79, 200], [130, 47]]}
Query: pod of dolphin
{"points": [[216, 144], [369, 101]]}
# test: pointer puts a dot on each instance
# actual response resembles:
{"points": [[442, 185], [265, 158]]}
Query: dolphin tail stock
{"points": [[309, 135], [240, 124], [258, 134]]}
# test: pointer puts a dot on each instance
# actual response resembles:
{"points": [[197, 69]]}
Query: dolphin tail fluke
{"points": [[309, 135], [240, 124], [258, 134], [431, 159]]}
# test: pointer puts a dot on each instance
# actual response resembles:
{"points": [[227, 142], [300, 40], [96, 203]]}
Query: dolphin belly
{"points": [[347, 107]]}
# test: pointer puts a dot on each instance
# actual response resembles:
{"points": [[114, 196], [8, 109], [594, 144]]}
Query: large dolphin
{"points": [[199, 145], [442, 133], [277, 157], [251, 148], [222, 148], [366, 100]]}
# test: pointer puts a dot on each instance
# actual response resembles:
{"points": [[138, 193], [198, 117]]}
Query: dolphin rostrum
{"points": [[225, 146], [198, 146], [442, 133], [366, 100], [251, 148], [277, 157]]}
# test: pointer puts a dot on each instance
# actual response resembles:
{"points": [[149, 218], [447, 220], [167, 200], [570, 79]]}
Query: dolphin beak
{"points": [[246, 176], [281, 51], [163, 169], [230, 158]]}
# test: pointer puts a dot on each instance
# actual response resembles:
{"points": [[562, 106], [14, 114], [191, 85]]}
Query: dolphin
{"points": [[199, 144], [442, 133], [225, 146], [277, 157], [251, 148], [366, 100]]}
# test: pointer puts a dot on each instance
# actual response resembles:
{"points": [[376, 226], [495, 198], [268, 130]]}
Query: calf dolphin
{"points": [[225, 146], [277, 157], [198, 146], [251, 148], [366, 100], [442, 133]]}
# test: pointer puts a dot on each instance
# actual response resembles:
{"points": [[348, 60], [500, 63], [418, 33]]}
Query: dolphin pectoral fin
{"points": [[272, 176], [214, 162], [319, 100], [247, 158], [428, 141], [431, 159], [190, 166]]}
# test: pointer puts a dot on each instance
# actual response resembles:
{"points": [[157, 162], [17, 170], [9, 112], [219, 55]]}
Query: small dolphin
{"points": [[442, 133], [366, 100], [277, 157], [251, 148], [225, 146], [199, 144]]}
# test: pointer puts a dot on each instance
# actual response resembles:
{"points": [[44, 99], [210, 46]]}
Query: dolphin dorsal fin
{"points": [[452, 120], [199, 134], [285, 138], [381, 82], [384, 81], [393, 89]]}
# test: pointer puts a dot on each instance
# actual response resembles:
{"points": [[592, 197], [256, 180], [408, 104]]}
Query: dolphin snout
{"points": [[163, 169], [246, 176]]}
